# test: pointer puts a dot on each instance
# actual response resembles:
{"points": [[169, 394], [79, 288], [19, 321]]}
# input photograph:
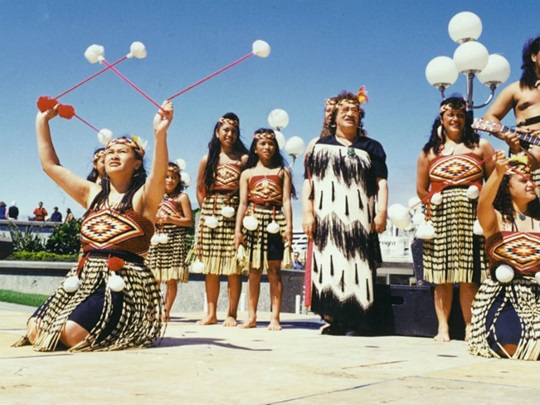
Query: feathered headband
{"points": [[361, 97], [518, 165], [135, 143]]}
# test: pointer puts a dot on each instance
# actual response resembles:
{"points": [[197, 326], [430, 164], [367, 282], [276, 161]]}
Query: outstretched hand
{"points": [[501, 162], [164, 117]]}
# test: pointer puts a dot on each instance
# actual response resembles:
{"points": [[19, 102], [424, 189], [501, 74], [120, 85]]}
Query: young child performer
{"points": [[111, 300], [167, 255], [265, 193], [217, 194]]}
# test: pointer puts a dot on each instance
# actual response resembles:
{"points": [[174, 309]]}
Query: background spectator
{"points": [[13, 211], [3, 210], [69, 216], [56, 216], [40, 213], [297, 264]]}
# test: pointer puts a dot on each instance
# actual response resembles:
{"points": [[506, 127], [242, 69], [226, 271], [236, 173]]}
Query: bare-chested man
{"points": [[523, 97]]}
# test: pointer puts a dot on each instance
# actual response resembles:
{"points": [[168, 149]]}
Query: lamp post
{"points": [[470, 58]]}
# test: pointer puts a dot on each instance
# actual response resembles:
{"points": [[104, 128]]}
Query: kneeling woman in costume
{"points": [[264, 221], [506, 310], [111, 301]]}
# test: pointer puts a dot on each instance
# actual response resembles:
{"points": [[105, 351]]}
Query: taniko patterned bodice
{"points": [[266, 190], [106, 229], [227, 177], [466, 168], [521, 250], [169, 207]]}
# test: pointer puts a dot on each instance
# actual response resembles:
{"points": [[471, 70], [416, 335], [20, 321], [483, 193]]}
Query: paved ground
{"points": [[217, 365]]}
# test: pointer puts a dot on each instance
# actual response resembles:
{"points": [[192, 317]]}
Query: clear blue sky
{"points": [[318, 49]]}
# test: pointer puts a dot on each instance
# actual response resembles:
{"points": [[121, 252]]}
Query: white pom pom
{"points": [[504, 273], [116, 283], [72, 284], [436, 199], [154, 240], [399, 215], [94, 53], [181, 163], [186, 179], [241, 253], [537, 277], [473, 192], [280, 139], [105, 136], [418, 218], [137, 50], [477, 229], [163, 238], [228, 212], [414, 202], [273, 227], [197, 266], [278, 119], [211, 222], [260, 48], [426, 231], [250, 223]]}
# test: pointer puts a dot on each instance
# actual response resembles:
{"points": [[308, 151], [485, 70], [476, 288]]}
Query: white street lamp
{"points": [[470, 58]]}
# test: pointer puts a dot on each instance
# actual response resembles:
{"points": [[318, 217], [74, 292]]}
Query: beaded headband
{"points": [[518, 165], [452, 106], [98, 155], [264, 135], [173, 168], [361, 98], [229, 121], [132, 143]]}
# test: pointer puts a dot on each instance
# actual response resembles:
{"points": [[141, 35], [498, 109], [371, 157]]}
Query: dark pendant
{"points": [[522, 217], [350, 152]]}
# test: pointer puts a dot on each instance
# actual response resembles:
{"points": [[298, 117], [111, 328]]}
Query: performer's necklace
{"points": [[521, 216]]}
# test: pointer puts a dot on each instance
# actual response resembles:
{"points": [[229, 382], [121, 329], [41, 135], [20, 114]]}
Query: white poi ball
{"points": [[436, 199], [154, 240], [197, 267], [94, 53], [273, 227], [477, 229], [414, 203], [211, 221], [399, 215], [278, 119], [250, 223], [280, 139], [537, 277], [186, 179], [105, 136], [116, 283], [295, 146], [163, 238], [228, 211], [241, 253], [425, 231], [137, 50], [418, 218], [473, 192], [181, 163], [71, 284], [260, 48], [504, 273]]}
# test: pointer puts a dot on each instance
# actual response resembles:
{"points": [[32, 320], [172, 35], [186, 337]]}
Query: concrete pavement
{"points": [[217, 365]]}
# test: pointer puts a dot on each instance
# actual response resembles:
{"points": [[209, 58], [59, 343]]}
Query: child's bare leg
{"points": [[467, 292], [211, 282], [254, 289], [276, 293], [234, 289], [170, 296]]}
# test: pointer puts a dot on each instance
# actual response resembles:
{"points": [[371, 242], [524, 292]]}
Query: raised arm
{"points": [[78, 188], [155, 182], [487, 215]]}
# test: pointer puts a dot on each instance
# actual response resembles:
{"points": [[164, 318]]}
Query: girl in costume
{"points": [[265, 209], [111, 301], [217, 194], [450, 171], [345, 174], [167, 255], [506, 309], [98, 166]]}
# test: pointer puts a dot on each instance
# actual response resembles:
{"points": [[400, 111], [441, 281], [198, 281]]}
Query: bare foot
{"points": [[443, 334], [467, 332], [209, 320], [230, 321], [249, 324], [274, 325]]}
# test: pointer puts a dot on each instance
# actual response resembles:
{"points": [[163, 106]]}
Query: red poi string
{"points": [[210, 76], [86, 123], [142, 93], [90, 78]]}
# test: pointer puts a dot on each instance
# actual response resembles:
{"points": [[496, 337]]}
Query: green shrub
{"points": [[25, 240], [65, 238], [42, 257]]}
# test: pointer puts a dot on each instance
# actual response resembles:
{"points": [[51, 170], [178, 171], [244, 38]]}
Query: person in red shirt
{"points": [[40, 213]]}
